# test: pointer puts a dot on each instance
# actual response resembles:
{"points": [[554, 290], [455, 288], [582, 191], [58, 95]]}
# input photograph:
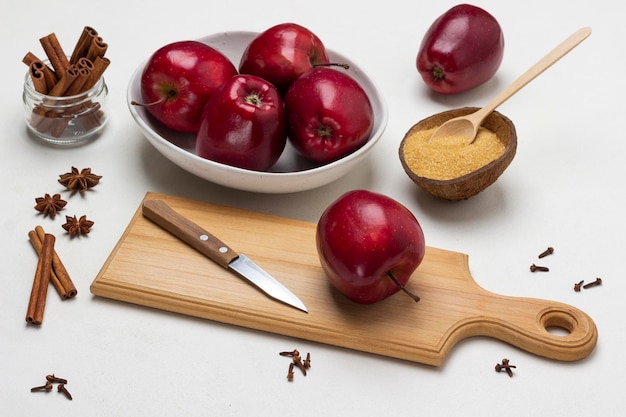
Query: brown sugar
{"points": [[450, 157]]}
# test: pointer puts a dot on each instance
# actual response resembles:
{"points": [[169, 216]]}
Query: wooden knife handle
{"points": [[189, 232]]}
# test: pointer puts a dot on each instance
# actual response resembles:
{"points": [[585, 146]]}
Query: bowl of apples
{"points": [[209, 129]]}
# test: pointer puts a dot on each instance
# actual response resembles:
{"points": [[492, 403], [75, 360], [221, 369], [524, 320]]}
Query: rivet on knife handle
{"points": [[162, 214]]}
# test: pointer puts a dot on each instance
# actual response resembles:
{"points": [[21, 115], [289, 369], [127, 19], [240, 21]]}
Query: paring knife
{"points": [[195, 236]]}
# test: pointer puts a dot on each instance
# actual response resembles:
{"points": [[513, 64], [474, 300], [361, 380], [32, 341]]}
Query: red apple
{"points": [[329, 114], [461, 50], [282, 53], [369, 245], [179, 78], [243, 124]]}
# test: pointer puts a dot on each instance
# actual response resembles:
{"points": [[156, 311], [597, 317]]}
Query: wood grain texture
{"points": [[152, 268]]}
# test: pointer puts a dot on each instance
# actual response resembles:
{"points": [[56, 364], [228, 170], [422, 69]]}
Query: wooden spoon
{"points": [[467, 126]]}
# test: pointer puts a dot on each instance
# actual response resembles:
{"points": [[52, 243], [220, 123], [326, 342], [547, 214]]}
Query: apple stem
{"points": [[407, 292], [334, 64], [159, 101]]}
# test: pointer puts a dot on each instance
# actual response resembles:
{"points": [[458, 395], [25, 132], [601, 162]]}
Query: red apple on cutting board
{"points": [[369, 245], [243, 124], [329, 114], [178, 80], [461, 50], [282, 53]]}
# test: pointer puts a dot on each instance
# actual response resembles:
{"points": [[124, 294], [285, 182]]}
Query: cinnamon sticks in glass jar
{"points": [[89, 53], [64, 96]]}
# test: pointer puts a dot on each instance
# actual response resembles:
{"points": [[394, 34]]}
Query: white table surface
{"points": [[564, 189]]}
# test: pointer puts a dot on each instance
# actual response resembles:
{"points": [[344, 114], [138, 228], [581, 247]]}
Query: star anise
{"points": [[50, 205], [79, 181], [76, 227]]}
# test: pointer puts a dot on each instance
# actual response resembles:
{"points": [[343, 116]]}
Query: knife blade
{"points": [[209, 245]]}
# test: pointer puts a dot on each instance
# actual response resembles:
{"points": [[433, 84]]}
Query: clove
{"points": [[61, 388], [294, 352], [534, 268], [546, 252], [290, 372], [297, 360], [47, 387], [597, 282], [505, 366], [50, 380], [578, 285], [55, 379]]}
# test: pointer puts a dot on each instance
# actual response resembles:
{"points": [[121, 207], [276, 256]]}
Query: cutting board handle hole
{"points": [[558, 331], [558, 323]]}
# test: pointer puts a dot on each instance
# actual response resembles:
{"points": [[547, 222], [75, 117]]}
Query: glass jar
{"points": [[67, 120]]}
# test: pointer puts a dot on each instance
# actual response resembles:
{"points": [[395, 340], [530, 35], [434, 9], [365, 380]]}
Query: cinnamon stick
{"points": [[96, 116], [82, 45], [83, 62], [100, 64], [57, 125], [76, 87], [54, 51], [44, 119], [38, 78], [59, 89], [66, 286], [51, 78], [39, 291], [37, 244], [67, 78], [93, 117], [97, 48], [29, 58]]}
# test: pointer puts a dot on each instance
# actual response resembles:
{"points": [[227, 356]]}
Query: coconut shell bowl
{"points": [[472, 183]]}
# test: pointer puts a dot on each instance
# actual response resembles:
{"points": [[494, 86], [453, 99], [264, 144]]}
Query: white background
{"points": [[564, 189]]}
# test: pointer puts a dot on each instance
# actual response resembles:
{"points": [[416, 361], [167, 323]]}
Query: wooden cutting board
{"points": [[150, 267]]}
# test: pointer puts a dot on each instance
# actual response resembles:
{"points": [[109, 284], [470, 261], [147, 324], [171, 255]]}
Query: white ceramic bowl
{"points": [[291, 173]]}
